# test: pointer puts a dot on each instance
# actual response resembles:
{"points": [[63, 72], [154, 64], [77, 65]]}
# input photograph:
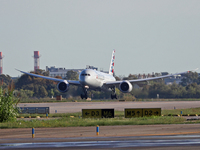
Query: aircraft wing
{"points": [[146, 79], [72, 82]]}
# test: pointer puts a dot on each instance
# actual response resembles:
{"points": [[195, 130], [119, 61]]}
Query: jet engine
{"points": [[63, 86], [125, 86]]}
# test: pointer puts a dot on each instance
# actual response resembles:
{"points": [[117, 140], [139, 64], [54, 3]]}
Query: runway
{"points": [[69, 107], [140, 142]]}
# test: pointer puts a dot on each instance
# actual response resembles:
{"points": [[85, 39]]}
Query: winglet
{"points": [[193, 70], [111, 69]]}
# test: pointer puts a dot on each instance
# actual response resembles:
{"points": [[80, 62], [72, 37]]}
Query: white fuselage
{"points": [[94, 80]]}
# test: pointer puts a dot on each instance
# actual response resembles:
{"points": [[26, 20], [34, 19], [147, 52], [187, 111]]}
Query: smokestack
{"points": [[36, 60], [1, 63]]}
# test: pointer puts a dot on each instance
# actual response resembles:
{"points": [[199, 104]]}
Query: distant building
{"points": [[143, 76], [177, 79], [53, 71], [91, 67], [164, 73], [95, 68]]}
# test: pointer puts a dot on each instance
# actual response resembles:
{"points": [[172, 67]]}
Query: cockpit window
{"points": [[85, 74]]}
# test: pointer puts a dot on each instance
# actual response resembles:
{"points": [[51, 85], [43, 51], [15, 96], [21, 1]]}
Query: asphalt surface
{"points": [[143, 142], [105, 131], [69, 107]]}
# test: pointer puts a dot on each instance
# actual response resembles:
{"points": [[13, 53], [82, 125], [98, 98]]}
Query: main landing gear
{"points": [[113, 95]]}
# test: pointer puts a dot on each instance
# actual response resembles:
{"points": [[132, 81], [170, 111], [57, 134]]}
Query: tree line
{"points": [[32, 87], [188, 88]]}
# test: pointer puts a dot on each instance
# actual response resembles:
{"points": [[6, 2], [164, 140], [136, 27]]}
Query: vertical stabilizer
{"points": [[111, 69]]}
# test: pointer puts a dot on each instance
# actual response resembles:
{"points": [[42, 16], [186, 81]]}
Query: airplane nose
{"points": [[84, 80], [85, 77]]}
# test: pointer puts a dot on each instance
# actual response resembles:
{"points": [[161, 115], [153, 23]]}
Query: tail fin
{"points": [[111, 69]]}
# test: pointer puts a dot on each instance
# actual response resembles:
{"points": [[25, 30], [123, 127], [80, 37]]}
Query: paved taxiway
{"points": [[66, 107], [105, 131]]}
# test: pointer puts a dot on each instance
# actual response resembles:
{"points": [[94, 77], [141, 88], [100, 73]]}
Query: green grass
{"points": [[64, 120], [191, 111], [74, 122]]}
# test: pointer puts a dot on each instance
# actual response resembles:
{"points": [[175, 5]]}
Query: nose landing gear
{"points": [[84, 95]]}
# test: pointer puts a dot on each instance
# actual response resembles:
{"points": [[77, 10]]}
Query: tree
{"points": [[42, 72], [52, 93], [159, 88], [6, 80], [42, 92], [31, 85], [117, 78], [130, 77], [72, 75], [8, 104], [189, 78]]}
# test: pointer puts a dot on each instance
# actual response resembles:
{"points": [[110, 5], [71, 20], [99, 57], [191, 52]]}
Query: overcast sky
{"points": [[148, 35]]}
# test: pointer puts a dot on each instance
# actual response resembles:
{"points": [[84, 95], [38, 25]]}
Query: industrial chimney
{"points": [[1, 63], [36, 60]]}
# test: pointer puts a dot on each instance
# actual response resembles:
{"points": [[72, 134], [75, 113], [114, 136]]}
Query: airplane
{"points": [[90, 79]]}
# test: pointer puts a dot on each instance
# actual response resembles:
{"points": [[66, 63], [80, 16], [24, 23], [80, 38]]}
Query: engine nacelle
{"points": [[63, 86], [125, 86]]}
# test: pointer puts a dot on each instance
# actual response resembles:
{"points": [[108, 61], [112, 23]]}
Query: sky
{"points": [[148, 36]]}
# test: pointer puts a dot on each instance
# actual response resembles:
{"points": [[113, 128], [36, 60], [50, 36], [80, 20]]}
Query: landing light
{"points": [[86, 87]]}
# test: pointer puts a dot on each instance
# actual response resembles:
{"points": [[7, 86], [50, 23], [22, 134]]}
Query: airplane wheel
{"points": [[82, 96], [113, 96]]}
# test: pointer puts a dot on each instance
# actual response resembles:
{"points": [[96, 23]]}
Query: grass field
{"points": [[75, 119]]}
